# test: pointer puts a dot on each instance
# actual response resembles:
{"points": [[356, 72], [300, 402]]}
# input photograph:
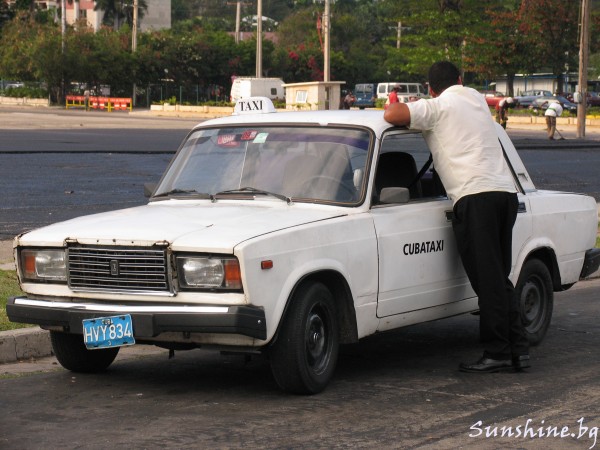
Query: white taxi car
{"points": [[288, 233]]}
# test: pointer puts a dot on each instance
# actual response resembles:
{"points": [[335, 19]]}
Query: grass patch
{"points": [[9, 287]]}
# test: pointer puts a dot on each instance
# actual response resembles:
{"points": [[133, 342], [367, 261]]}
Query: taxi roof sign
{"points": [[254, 105]]}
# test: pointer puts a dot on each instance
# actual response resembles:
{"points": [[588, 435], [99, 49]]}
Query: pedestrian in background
{"points": [[553, 111], [349, 100], [502, 110], [392, 97], [467, 155]]}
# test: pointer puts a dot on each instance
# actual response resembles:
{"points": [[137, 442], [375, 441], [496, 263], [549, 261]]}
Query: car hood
{"points": [[185, 225]]}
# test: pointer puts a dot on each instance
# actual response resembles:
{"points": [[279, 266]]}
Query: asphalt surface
{"points": [[396, 390]]}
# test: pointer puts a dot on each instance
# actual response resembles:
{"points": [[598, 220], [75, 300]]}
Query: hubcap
{"points": [[316, 341], [532, 305]]}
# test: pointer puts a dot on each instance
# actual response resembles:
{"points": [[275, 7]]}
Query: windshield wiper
{"points": [[183, 192], [251, 190]]}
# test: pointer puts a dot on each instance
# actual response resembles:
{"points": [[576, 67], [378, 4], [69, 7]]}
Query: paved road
{"points": [[396, 390], [57, 164]]}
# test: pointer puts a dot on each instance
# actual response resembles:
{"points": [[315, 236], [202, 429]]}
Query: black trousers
{"points": [[483, 226]]}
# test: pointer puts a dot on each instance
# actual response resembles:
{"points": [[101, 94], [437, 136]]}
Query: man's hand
{"points": [[397, 114]]}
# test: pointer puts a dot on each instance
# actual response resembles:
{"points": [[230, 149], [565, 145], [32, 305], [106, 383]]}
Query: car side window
{"points": [[401, 159]]}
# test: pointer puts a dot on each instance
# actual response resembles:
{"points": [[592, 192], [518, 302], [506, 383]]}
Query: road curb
{"points": [[23, 344]]}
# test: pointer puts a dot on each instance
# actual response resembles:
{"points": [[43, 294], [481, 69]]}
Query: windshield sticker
{"points": [[261, 138], [249, 135], [227, 140]]}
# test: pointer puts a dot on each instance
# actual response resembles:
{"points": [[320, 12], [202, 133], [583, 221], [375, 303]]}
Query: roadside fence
{"points": [[101, 103]]}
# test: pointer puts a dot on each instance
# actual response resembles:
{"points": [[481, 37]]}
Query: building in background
{"points": [[156, 17]]}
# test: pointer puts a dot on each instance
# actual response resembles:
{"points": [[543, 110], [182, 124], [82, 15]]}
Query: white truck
{"points": [[245, 87], [287, 234], [407, 92]]}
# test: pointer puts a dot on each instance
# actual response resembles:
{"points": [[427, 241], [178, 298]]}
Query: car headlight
{"points": [[209, 272], [43, 265]]}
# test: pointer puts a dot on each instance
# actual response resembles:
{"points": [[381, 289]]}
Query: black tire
{"points": [[536, 299], [74, 356], [305, 352]]}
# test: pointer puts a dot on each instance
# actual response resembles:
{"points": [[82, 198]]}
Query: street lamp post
{"points": [[63, 31], [326, 45], [259, 39], [238, 14], [584, 44], [134, 30]]}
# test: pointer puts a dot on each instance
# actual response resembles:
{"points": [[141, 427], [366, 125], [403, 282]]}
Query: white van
{"points": [[244, 87], [408, 91]]}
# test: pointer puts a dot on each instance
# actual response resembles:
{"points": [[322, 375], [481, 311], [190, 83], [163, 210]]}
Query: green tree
{"points": [[184, 10], [101, 58], [551, 28], [117, 12], [5, 14], [498, 48], [31, 51], [16, 47], [195, 57]]}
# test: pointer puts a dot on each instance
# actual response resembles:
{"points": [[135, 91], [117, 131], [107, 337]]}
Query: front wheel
{"points": [[536, 299], [304, 354], [74, 356]]}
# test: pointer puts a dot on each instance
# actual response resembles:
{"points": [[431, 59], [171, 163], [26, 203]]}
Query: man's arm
{"points": [[397, 114]]}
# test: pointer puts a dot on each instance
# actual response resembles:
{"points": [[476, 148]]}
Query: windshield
{"points": [[303, 163]]}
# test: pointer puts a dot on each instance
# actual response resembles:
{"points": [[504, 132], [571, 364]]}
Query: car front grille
{"points": [[118, 268]]}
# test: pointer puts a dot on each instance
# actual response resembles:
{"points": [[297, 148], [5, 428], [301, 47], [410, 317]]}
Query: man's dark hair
{"points": [[442, 75]]}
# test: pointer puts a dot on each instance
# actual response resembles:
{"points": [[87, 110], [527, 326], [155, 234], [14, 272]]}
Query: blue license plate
{"points": [[104, 332]]}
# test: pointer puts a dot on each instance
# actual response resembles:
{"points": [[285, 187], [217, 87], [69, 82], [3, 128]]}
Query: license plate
{"points": [[104, 332]]}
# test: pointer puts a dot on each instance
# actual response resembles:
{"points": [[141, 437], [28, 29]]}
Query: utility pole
{"points": [[238, 14], [259, 39], [238, 18], [399, 34], [584, 48], [134, 31], [326, 45], [63, 30], [63, 23]]}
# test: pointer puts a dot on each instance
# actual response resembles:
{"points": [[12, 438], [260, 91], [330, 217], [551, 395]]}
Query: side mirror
{"points": [[149, 189], [394, 195]]}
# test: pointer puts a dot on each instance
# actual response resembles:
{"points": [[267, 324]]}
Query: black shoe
{"points": [[487, 365], [521, 362]]}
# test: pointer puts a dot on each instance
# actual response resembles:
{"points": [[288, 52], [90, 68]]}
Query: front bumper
{"points": [[148, 320]]}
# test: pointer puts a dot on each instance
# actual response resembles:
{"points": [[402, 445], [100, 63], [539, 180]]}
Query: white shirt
{"points": [[462, 137], [554, 110]]}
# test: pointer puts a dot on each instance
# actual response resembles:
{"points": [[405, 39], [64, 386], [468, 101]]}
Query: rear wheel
{"points": [[73, 355], [536, 299], [304, 355]]}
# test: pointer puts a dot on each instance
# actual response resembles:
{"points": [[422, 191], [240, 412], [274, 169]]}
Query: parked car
{"points": [[492, 98], [366, 95], [541, 103], [593, 99], [12, 84], [287, 234], [527, 97]]}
